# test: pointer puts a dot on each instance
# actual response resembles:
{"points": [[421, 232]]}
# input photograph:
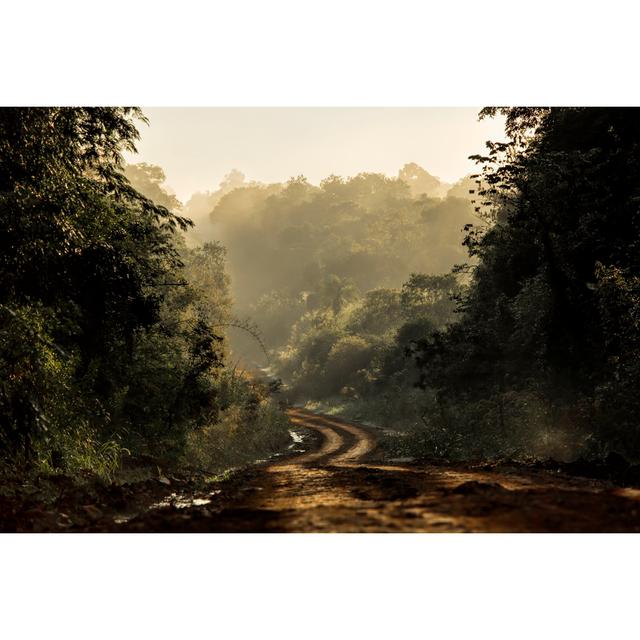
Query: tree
{"points": [[90, 271], [563, 193], [149, 180], [431, 296], [421, 182]]}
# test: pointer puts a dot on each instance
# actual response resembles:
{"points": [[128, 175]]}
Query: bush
{"points": [[250, 426]]}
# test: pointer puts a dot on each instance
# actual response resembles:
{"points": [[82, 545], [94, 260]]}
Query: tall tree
{"points": [[87, 266], [563, 193]]}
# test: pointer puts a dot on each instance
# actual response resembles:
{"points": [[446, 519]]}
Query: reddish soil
{"points": [[338, 486], [340, 483]]}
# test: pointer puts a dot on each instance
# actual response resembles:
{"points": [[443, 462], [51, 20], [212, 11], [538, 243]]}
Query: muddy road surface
{"points": [[341, 484]]}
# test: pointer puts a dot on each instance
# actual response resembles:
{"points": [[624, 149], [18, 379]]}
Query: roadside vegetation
{"points": [[113, 351]]}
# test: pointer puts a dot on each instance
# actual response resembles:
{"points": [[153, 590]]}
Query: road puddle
{"points": [[296, 437], [182, 501]]}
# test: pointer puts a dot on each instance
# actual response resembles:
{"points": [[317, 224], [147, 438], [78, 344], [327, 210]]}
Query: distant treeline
{"points": [[304, 256]]}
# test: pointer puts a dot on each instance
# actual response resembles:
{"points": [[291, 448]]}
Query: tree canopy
{"points": [[111, 332]]}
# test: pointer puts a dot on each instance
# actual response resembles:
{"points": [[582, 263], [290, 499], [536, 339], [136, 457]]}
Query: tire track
{"points": [[332, 441], [343, 443], [339, 486]]}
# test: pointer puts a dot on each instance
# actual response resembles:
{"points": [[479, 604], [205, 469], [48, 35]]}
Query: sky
{"points": [[198, 146]]}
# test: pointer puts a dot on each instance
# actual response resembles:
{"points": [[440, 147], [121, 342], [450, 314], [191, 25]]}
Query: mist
{"points": [[297, 251], [339, 285], [393, 317]]}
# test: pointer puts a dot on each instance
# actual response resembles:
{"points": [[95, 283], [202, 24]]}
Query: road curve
{"points": [[342, 442], [342, 484]]}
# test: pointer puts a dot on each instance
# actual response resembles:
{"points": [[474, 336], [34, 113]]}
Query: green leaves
{"points": [[562, 192], [84, 265]]}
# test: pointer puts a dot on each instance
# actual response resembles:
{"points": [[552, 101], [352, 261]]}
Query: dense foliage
{"points": [[341, 278], [108, 324], [495, 317], [544, 360], [326, 264]]}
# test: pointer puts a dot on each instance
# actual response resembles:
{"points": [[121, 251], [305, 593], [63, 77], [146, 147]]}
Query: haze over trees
{"points": [[495, 317], [523, 340], [297, 250]]}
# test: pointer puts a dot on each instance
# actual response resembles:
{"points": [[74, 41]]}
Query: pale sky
{"points": [[196, 147]]}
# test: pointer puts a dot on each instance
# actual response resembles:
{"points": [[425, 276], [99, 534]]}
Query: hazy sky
{"points": [[196, 147]]}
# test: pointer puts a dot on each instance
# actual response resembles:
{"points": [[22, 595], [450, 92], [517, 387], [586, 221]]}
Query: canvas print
{"points": [[227, 320]]}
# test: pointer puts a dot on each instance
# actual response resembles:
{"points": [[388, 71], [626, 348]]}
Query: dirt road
{"points": [[340, 484]]}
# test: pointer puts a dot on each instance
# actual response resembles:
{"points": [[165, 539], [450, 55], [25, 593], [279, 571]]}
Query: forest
{"points": [[112, 343], [148, 342]]}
